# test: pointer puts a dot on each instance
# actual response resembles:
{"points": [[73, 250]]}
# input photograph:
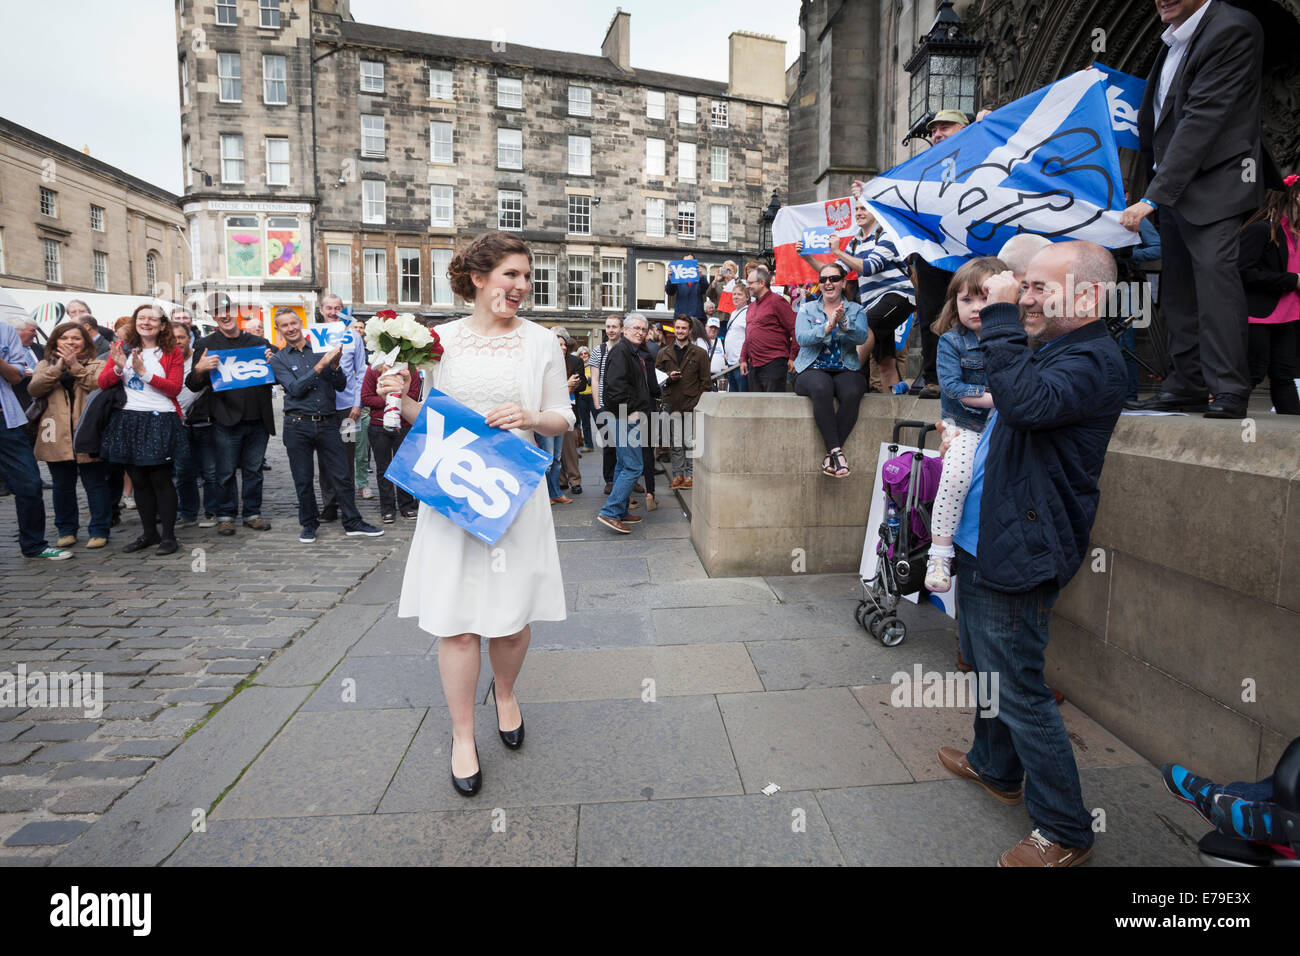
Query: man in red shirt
{"points": [[770, 347]]}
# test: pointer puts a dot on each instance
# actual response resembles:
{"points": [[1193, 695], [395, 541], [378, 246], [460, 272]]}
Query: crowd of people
{"points": [[135, 417]]}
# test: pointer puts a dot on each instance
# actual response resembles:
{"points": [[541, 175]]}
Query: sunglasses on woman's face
{"points": [[825, 279]]}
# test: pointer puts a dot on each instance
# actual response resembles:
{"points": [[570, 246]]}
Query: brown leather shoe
{"points": [[631, 519], [955, 762], [1037, 850], [676, 482], [258, 524], [614, 524], [688, 482]]}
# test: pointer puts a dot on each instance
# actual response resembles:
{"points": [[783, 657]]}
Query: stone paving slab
{"points": [[680, 671], [589, 630], [752, 623], [917, 733], [844, 661], [384, 683], [955, 823], [807, 740], [330, 762], [604, 596], [787, 829], [533, 836], [587, 751]]}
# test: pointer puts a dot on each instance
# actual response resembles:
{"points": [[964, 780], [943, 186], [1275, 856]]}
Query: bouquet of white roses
{"points": [[400, 342]]}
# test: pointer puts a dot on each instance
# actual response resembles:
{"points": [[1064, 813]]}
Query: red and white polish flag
{"points": [[817, 224]]}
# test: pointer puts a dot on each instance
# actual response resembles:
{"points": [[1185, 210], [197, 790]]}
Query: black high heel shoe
{"points": [[514, 739], [467, 786]]}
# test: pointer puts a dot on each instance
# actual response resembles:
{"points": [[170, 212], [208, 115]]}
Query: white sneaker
{"points": [[367, 494], [128, 502], [208, 522], [937, 574]]}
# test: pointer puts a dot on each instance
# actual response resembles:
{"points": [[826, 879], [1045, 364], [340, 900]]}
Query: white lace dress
{"points": [[455, 583]]}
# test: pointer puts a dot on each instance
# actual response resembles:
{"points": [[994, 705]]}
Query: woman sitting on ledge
{"points": [[828, 331]]}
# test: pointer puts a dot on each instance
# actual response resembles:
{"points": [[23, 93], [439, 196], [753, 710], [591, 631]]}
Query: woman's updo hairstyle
{"points": [[483, 255]]}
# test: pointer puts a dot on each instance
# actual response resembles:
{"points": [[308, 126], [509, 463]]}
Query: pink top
{"points": [[1288, 307]]}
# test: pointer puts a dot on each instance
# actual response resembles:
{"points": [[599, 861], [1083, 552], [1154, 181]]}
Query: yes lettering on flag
{"points": [[1045, 164]]}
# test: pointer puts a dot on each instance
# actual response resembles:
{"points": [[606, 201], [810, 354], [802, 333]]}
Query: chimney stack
{"points": [[618, 41]]}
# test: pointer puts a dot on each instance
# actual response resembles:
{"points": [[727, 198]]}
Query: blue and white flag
{"points": [[477, 476], [1124, 94], [1044, 164], [241, 368], [683, 270]]}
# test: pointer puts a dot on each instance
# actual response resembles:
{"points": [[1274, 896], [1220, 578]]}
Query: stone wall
{"points": [[1180, 633]]}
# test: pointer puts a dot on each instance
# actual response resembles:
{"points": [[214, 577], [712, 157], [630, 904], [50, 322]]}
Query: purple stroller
{"points": [[910, 481]]}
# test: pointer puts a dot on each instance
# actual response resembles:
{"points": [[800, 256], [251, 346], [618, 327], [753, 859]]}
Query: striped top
{"points": [[882, 271]]}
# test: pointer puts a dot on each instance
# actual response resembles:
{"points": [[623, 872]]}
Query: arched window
{"points": [[151, 273]]}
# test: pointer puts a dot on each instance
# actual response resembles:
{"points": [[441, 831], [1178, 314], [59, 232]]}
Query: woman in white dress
{"points": [[511, 371]]}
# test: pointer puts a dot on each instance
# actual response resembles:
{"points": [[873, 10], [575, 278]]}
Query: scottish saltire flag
{"points": [[478, 477], [818, 225], [1124, 94], [1044, 164]]}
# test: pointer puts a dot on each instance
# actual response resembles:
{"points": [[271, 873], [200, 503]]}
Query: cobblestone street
{"points": [[174, 637]]}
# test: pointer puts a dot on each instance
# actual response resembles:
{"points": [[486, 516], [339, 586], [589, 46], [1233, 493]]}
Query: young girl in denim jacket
{"points": [[965, 402]]}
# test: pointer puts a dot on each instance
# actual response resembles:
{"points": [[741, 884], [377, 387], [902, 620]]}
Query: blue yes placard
{"points": [[325, 337], [241, 368], [476, 476], [817, 239], [683, 270]]}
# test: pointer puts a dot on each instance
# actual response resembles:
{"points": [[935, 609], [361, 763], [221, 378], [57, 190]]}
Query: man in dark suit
{"points": [[1200, 132]]}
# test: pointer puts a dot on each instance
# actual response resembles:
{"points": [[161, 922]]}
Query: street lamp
{"points": [[943, 71], [765, 220]]}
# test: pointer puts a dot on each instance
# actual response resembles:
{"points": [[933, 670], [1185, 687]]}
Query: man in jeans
{"points": [[347, 407], [599, 356], [1039, 458], [243, 420], [687, 368], [17, 464], [310, 425], [627, 396]]}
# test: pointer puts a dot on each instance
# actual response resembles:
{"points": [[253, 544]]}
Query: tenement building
{"points": [[323, 153], [74, 223]]}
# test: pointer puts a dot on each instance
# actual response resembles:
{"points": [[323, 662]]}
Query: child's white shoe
{"points": [[938, 574]]}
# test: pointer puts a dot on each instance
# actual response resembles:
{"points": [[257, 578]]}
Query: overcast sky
{"points": [[102, 73]]}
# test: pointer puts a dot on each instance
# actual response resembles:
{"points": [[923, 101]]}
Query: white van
{"points": [[49, 308]]}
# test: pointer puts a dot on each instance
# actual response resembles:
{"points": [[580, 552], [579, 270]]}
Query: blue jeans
{"points": [[67, 514], [628, 466], [304, 438], [552, 445], [195, 468], [19, 471], [1006, 635], [239, 448], [737, 382]]}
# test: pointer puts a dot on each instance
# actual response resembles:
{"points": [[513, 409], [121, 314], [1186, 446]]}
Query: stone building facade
{"points": [[849, 90], [402, 145], [71, 222]]}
